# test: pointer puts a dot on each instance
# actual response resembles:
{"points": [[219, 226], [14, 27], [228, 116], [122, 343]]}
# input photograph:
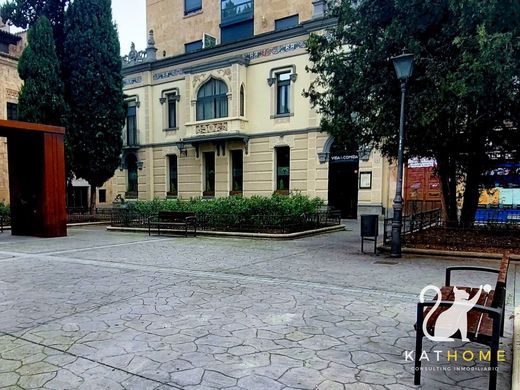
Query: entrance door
{"points": [[343, 182]]}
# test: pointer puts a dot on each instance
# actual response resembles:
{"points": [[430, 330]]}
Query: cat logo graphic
{"points": [[453, 319]]}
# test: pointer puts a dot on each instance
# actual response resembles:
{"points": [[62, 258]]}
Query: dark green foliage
{"points": [[94, 90], [25, 13], [41, 96], [463, 96], [235, 205], [5, 210]]}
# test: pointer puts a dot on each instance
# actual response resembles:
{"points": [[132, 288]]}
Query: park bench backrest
{"points": [[500, 288], [174, 215]]}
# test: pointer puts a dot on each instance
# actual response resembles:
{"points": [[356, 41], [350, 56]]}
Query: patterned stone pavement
{"points": [[99, 310]]}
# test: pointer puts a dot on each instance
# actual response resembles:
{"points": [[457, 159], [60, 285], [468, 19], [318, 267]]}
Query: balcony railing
{"points": [[235, 11]]}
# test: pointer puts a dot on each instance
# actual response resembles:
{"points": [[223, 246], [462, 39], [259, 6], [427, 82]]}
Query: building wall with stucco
{"points": [[258, 131], [9, 86], [173, 28]]}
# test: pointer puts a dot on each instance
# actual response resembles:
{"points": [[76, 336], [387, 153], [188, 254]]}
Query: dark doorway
{"points": [[132, 176], [343, 180]]}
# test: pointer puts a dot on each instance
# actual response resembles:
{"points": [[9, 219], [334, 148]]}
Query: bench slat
{"points": [[480, 326]]}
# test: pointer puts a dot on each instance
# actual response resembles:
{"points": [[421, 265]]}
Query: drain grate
{"points": [[386, 262]]}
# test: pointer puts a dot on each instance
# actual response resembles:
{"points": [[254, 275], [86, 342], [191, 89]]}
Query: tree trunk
{"points": [[447, 172], [93, 194], [471, 191]]}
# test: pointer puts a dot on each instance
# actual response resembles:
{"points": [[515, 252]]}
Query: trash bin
{"points": [[369, 229]]}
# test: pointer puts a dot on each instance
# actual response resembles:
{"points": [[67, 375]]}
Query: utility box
{"points": [[369, 229]]}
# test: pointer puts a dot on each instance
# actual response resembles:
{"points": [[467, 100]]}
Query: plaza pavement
{"points": [[108, 310]]}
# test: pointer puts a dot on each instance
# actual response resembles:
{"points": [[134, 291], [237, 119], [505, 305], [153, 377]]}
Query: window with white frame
{"points": [[212, 100], [283, 93], [131, 123], [281, 80], [170, 100]]}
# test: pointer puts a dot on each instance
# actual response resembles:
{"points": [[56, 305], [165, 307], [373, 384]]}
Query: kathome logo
{"points": [[455, 318]]}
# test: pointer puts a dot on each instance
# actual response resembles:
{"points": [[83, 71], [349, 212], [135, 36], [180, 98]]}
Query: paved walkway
{"points": [[99, 310]]}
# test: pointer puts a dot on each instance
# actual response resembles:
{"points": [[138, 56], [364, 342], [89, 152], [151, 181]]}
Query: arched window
{"points": [[242, 101], [212, 101], [131, 166]]}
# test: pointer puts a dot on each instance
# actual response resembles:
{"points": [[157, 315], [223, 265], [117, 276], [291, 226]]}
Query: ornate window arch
{"points": [[212, 100]]}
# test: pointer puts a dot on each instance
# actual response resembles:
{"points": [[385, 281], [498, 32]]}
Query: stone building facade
{"points": [[215, 108], [11, 47]]}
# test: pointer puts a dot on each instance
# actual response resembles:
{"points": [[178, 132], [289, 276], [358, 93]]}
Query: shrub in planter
{"points": [[235, 209]]}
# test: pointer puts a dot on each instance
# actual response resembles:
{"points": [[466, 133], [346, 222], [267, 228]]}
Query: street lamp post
{"points": [[403, 65]]}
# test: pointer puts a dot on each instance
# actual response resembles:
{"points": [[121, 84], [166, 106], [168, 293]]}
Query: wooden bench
{"points": [[172, 220], [485, 321]]}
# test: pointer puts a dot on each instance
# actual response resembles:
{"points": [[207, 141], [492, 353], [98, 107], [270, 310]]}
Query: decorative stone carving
{"points": [[132, 80], [134, 56], [225, 73], [323, 157], [151, 50], [167, 74], [207, 128], [11, 93], [151, 40], [197, 78], [275, 50]]}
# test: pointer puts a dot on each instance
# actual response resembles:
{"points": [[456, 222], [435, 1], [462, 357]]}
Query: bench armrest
{"points": [[467, 268], [491, 311]]}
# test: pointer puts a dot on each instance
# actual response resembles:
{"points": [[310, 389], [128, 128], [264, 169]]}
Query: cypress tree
{"points": [[41, 96], [94, 91]]}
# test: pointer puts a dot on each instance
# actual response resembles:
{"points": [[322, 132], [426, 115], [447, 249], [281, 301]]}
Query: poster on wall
{"points": [[365, 180]]}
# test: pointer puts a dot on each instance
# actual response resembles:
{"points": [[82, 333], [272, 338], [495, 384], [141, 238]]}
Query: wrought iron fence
{"points": [[413, 223], [501, 227], [84, 215], [5, 221], [237, 223], [273, 223]]}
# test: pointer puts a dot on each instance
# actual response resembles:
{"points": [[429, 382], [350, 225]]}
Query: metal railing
{"points": [[413, 223], [5, 221], [84, 215], [236, 223], [274, 223]]}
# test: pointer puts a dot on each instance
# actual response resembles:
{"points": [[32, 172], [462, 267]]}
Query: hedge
{"points": [[235, 205]]}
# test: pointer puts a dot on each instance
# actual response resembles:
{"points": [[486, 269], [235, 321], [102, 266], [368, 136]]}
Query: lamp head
{"points": [[403, 65]]}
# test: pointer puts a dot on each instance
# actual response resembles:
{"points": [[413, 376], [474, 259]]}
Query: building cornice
{"points": [[302, 29], [279, 133]]}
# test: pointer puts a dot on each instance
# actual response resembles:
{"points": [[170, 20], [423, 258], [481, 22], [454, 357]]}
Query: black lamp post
{"points": [[403, 65]]}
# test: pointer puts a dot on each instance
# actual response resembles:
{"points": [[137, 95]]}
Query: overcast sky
{"points": [[130, 17]]}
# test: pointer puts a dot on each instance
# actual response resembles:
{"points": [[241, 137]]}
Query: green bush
{"points": [[239, 207], [5, 211]]}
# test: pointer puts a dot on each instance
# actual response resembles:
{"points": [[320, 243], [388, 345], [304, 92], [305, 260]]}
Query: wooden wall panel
{"points": [[36, 179]]}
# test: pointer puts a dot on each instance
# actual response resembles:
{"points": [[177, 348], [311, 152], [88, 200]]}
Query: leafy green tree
{"points": [[463, 97], [25, 13], [94, 91], [41, 96]]}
